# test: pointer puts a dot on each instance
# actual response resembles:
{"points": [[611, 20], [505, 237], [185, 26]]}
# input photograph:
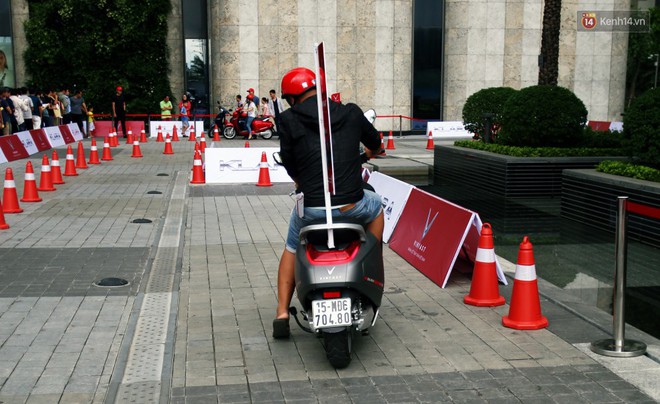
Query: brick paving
{"points": [[214, 264]]}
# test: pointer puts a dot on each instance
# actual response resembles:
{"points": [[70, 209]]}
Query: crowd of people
{"points": [[26, 109]]}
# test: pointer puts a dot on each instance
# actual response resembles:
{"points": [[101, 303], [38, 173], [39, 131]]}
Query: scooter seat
{"points": [[342, 237]]}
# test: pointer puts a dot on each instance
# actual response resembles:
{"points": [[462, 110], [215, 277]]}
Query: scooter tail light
{"points": [[332, 257], [331, 295]]}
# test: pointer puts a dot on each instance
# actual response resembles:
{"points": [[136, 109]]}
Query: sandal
{"points": [[281, 328]]}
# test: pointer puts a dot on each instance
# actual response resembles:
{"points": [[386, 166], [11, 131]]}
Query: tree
{"points": [[642, 48], [95, 45], [549, 63]]}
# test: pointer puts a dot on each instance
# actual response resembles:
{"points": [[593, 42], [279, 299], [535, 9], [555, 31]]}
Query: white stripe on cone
{"points": [[10, 184], [525, 272], [29, 176], [45, 168], [486, 255], [197, 162], [55, 163]]}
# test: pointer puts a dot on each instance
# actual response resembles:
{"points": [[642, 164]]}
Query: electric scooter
{"points": [[237, 124]]}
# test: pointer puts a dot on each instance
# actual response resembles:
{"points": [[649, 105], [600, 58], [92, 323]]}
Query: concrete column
{"points": [[19, 14], [175, 45]]}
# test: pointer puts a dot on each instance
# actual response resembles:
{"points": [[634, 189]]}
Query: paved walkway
{"points": [[194, 324]]}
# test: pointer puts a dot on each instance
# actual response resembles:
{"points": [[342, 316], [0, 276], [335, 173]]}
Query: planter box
{"points": [[590, 197]]}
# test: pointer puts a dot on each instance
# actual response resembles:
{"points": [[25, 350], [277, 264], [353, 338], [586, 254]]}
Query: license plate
{"points": [[331, 313]]}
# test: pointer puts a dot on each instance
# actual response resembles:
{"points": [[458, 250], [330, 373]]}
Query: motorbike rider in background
{"points": [[300, 151], [251, 109]]}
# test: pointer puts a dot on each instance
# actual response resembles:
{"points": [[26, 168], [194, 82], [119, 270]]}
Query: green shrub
{"points": [[542, 116], [629, 170], [489, 100], [641, 128], [518, 151], [606, 139]]}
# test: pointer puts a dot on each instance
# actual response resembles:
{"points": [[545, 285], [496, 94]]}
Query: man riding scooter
{"points": [[300, 151]]}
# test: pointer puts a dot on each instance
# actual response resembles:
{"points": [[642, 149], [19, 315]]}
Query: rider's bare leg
{"points": [[285, 283], [376, 226]]}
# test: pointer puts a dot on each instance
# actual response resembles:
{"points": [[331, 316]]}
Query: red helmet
{"points": [[297, 81], [250, 97], [119, 88]]}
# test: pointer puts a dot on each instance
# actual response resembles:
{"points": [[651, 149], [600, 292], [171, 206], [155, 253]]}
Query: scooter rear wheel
{"points": [[229, 132], [267, 134], [338, 348]]}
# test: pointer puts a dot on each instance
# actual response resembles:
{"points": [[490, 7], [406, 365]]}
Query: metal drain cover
{"points": [[112, 282], [141, 221], [162, 175], [154, 193]]}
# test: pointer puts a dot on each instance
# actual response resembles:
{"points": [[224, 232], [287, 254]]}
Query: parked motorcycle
{"points": [[221, 118], [340, 289], [236, 123]]}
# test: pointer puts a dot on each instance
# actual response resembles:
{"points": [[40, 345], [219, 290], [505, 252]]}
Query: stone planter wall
{"points": [[590, 197]]}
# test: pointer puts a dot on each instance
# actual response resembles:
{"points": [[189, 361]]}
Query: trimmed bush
{"points": [[488, 100], [541, 116], [641, 128], [629, 170], [518, 151]]}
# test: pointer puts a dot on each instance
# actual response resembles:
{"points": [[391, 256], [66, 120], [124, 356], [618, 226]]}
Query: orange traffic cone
{"points": [[113, 139], [107, 155], [129, 138], [525, 307], [46, 180], [202, 143], [192, 135], [216, 133], [175, 134], [3, 224], [390, 142], [70, 166], [264, 173], [197, 171], [55, 168], [80, 161], [136, 149], [429, 142], [159, 137], [247, 143], [168, 146], [484, 291], [143, 136], [30, 193], [94, 153], [9, 194]]}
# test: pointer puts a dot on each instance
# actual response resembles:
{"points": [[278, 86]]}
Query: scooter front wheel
{"points": [[338, 348], [229, 132]]}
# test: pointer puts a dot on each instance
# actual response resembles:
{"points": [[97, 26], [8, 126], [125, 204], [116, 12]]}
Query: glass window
{"points": [[195, 32], [428, 20], [7, 77]]}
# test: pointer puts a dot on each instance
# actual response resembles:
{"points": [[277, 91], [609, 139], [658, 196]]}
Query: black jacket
{"points": [[301, 150]]}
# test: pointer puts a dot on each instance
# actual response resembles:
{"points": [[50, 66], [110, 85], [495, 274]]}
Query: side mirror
{"points": [[370, 115], [277, 158]]}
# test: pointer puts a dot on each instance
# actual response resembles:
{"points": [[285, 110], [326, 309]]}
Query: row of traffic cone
{"points": [[525, 306]]}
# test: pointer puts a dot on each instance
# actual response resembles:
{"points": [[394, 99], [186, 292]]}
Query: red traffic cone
{"points": [[525, 307], [94, 153], [80, 160], [175, 134], [143, 136], [107, 154], [484, 291], [114, 142], [197, 171], [46, 180], [55, 168], [216, 133], [192, 135], [429, 142], [168, 146], [30, 193], [70, 167], [3, 224], [136, 149], [264, 173], [159, 137], [202, 143], [9, 194], [247, 143], [390, 142], [129, 138]]}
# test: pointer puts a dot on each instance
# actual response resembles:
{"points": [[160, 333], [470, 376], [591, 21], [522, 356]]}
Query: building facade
{"points": [[416, 58]]}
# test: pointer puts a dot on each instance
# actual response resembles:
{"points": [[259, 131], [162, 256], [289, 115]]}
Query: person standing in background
{"points": [[78, 110], [65, 101], [119, 110], [166, 109], [27, 113], [37, 109], [276, 107], [184, 107]]}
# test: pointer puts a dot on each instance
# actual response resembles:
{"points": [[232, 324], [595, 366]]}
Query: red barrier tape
{"points": [[402, 116], [643, 210], [156, 116]]}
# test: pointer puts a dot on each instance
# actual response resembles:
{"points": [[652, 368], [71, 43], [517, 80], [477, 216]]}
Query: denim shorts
{"points": [[366, 210]]}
